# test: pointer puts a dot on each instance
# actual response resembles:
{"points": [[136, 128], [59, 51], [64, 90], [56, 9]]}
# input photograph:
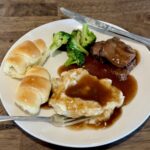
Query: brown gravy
{"points": [[128, 87], [94, 90], [94, 67], [45, 106], [116, 114]]}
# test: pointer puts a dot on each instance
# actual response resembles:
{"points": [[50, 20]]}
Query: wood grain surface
{"points": [[19, 16]]}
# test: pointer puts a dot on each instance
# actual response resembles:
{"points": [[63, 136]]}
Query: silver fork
{"points": [[56, 120]]}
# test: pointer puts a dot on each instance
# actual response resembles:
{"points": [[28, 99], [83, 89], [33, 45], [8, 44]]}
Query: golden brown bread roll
{"points": [[33, 90], [27, 54], [43, 49]]}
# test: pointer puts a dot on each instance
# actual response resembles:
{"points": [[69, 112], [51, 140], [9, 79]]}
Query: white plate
{"points": [[133, 115]]}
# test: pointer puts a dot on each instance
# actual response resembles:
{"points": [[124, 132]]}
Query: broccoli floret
{"points": [[60, 38], [75, 46], [87, 37], [76, 34], [76, 53], [75, 43], [75, 57]]}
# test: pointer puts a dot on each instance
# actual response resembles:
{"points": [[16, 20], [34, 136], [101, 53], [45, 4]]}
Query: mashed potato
{"points": [[75, 106]]}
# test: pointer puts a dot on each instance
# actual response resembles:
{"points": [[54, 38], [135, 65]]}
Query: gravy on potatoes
{"points": [[97, 68]]}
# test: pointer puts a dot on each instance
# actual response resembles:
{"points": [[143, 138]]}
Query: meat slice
{"points": [[122, 73], [97, 48], [118, 57], [115, 51]]}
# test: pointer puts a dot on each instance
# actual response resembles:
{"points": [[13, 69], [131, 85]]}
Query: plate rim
{"points": [[51, 141]]}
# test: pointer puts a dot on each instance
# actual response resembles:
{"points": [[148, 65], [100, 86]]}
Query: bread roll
{"points": [[24, 56], [33, 90], [43, 49]]}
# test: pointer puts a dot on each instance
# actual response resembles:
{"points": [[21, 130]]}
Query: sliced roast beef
{"points": [[119, 57], [115, 51], [122, 73]]}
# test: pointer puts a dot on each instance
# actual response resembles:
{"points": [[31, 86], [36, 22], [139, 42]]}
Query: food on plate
{"points": [[75, 57], [95, 77], [77, 93], [76, 44], [118, 57], [121, 58], [25, 55], [93, 82], [33, 90], [115, 51], [87, 37], [43, 49], [59, 39]]}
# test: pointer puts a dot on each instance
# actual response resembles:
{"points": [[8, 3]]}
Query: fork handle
{"points": [[22, 118]]}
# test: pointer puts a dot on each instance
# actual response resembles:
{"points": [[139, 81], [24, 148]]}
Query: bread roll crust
{"points": [[41, 45], [38, 71], [19, 63], [28, 100], [39, 84], [33, 90], [27, 49], [24, 56]]}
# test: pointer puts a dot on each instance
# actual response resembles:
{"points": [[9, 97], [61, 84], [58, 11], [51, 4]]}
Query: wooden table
{"points": [[19, 16]]}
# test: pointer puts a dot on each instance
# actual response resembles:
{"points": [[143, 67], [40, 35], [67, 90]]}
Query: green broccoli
{"points": [[76, 34], [75, 57], [76, 53], [75, 46], [60, 38], [87, 37]]}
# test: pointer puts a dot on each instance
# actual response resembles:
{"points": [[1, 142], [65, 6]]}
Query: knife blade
{"points": [[100, 26]]}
